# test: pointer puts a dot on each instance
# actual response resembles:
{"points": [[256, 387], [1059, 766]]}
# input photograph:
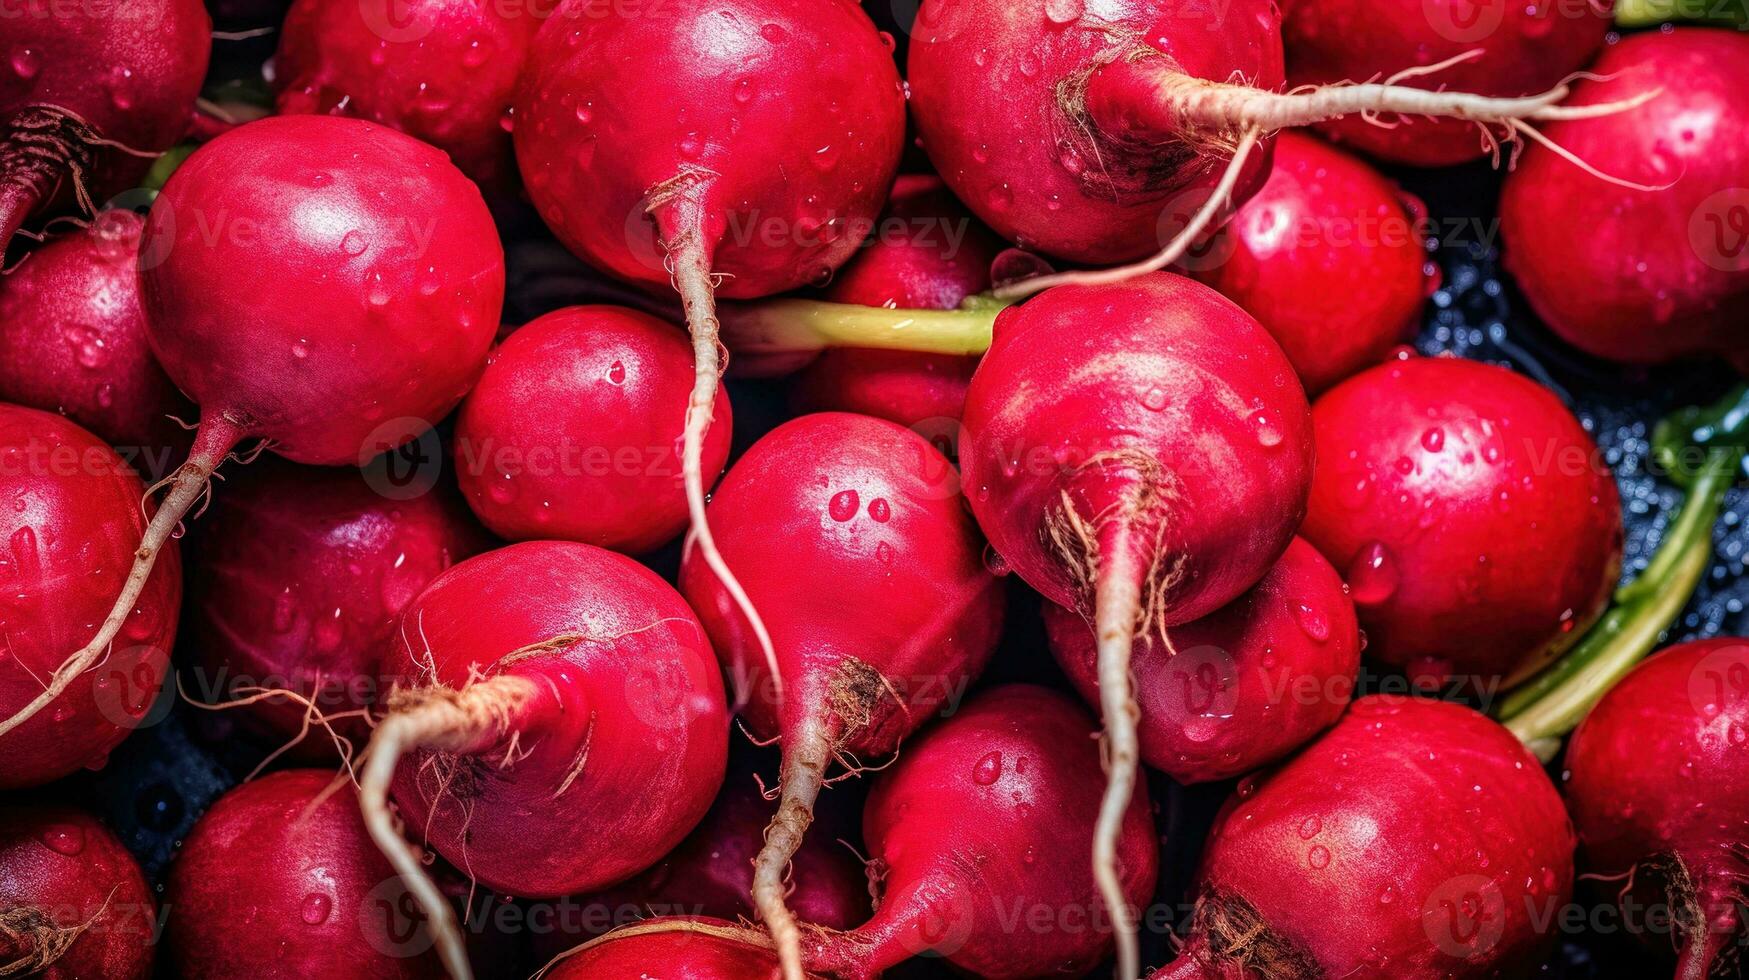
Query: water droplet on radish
{"points": [[26, 63], [121, 82], [1268, 433], [353, 243], [616, 373], [1433, 440], [1314, 622], [884, 553], [66, 839], [988, 769], [843, 505], [825, 158], [477, 53], [1318, 857], [1354, 492], [88, 345], [1063, 11], [316, 909], [880, 510], [1310, 828], [1372, 576], [1155, 400]]}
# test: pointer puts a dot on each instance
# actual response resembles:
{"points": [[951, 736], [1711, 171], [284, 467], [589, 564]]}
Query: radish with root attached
{"points": [[574, 431], [72, 901], [1415, 839], [738, 148], [69, 524], [90, 94], [555, 724], [297, 581], [826, 508], [412, 281], [1141, 453], [1478, 527], [1241, 687]]}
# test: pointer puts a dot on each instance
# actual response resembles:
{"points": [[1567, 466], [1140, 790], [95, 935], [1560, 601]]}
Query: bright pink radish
{"points": [[1494, 49], [673, 949], [68, 526], [1475, 520], [1657, 273], [740, 145], [1084, 129], [1141, 453], [851, 539], [439, 70], [1328, 256], [89, 94], [411, 280], [556, 725], [72, 901], [927, 252], [574, 431], [989, 812], [73, 339], [1655, 784], [1416, 839], [1247, 684], [297, 581]]}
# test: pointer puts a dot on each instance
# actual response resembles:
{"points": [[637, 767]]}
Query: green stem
{"points": [[1648, 13], [789, 326]]}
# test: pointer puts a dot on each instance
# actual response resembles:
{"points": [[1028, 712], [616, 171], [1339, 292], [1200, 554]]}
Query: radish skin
{"points": [[672, 948], [72, 901]]}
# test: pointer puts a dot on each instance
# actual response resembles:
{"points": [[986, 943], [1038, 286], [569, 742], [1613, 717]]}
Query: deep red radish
{"points": [[1493, 49], [739, 146], [1416, 839], [443, 71], [1476, 522], [1655, 784], [556, 725], [283, 863], [297, 581], [927, 252], [72, 901], [73, 339], [1140, 453], [989, 812], [851, 539], [412, 278], [1084, 129], [574, 431], [68, 527], [90, 94], [1329, 256], [673, 949], [1658, 273], [1248, 683]]}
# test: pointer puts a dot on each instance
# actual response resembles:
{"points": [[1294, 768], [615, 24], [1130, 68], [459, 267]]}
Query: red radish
{"points": [[556, 725], [297, 582], [987, 814], [73, 339], [284, 864], [1141, 453], [1248, 684], [1494, 49], [89, 94], [1416, 839], [574, 431], [412, 278], [442, 71], [1662, 272], [927, 253], [1479, 528], [741, 145], [850, 535], [673, 949], [1328, 256], [1655, 785], [72, 901], [69, 524]]}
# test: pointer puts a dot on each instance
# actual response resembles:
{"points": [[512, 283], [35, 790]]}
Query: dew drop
{"points": [[1155, 400], [316, 909], [988, 769], [880, 510], [1372, 576], [66, 839], [26, 63], [1063, 11], [1314, 622], [1433, 440], [843, 505], [353, 243], [616, 373], [1318, 857], [1310, 827], [1268, 434]]}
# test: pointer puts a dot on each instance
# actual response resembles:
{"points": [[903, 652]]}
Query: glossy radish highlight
{"points": [[692, 948], [72, 901]]}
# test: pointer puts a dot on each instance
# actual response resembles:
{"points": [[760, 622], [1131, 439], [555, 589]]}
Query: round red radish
{"points": [[72, 901], [927, 252], [672, 948], [1503, 49], [1655, 785], [297, 583], [1141, 453], [1416, 839], [557, 725], [70, 519], [1661, 271], [443, 71], [89, 94], [824, 509], [574, 431], [1248, 683], [1477, 525], [1328, 256], [987, 812], [73, 339]]}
